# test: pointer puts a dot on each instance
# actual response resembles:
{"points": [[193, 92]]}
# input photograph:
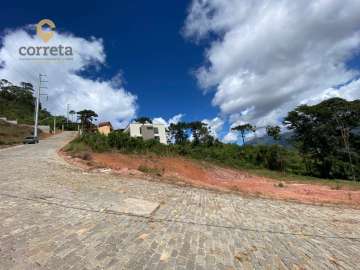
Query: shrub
{"points": [[273, 157], [98, 142], [151, 170]]}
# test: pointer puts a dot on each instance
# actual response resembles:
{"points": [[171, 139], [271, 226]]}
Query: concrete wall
{"points": [[104, 130], [14, 122], [45, 129], [136, 130]]}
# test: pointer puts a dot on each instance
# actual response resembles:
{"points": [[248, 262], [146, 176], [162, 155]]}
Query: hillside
{"points": [[11, 134], [18, 103]]}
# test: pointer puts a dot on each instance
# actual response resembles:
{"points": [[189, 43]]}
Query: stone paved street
{"points": [[56, 216]]}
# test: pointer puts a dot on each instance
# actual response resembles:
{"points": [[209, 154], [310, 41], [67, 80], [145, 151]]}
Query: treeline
{"points": [[273, 157], [18, 103], [326, 143]]}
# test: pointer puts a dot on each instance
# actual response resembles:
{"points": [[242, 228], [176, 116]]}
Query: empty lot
{"points": [[56, 216]]}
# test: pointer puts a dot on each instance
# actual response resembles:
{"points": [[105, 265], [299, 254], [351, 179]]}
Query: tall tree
{"points": [[274, 131], [86, 118], [200, 132], [178, 132], [243, 129], [327, 136]]}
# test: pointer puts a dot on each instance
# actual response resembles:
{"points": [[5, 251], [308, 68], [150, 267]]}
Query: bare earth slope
{"points": [[201, 174], [56, 216]]}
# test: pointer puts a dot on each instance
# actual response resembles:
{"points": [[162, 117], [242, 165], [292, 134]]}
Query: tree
{"points": [[86, 117], [27, 86], [143, 120], [17, 102], [327, 136], [274, 131], [178, 132], [243, 129], [200, 132]]}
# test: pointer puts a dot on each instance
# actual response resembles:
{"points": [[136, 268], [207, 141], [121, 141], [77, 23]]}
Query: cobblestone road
{"points": [[55, 216]]}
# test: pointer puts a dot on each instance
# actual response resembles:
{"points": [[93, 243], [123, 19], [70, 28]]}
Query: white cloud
{"points": [[230, 137], [65, 84], [216, 125], [160, 120], [173, 120], [269, 56]]}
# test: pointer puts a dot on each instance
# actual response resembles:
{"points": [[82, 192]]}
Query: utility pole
{"points": [[67, 114], [54, 125], [37, 104]]}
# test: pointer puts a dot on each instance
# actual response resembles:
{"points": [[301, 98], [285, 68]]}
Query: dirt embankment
{"points": [[201, 174], [11, 134]]}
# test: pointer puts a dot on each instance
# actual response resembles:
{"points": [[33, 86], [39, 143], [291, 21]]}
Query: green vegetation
{"points": [[274, 132], [150, 170], [18, 102], [86, 118], [328, 137], [244, 129], [271, 157], [13, 134], [327, 144]]}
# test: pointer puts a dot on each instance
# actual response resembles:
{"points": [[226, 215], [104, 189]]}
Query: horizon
{"points": [[189, 60]]}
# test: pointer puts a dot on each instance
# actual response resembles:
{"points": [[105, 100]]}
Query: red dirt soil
{"points": [[203, 174]]}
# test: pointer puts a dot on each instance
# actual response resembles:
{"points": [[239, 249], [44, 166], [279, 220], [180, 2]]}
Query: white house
{"points": [[147, 131]]}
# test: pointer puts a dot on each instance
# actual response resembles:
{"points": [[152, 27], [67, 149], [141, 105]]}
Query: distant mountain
{"points": [[285, 140]]}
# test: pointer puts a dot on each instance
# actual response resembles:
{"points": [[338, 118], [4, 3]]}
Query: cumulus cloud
{"points": [[66, 84], [173, 120], [230, 137], [216, 125], [266, 57]]}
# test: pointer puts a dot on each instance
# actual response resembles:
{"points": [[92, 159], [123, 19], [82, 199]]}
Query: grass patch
{"points": [[151, 170], [335, 184], [79, 149]]}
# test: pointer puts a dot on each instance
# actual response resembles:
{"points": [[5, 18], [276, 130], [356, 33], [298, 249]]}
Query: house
{"points": [[147, 131], [105, 128]]}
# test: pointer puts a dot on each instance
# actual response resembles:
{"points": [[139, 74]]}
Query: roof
{"points": [[104, 124]]}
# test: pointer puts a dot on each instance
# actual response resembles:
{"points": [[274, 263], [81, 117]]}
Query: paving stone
{"points": [[56, 216], [135, 206]]}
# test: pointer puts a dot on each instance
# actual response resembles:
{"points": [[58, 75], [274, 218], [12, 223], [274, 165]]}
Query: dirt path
{"points": [[205, 175]]}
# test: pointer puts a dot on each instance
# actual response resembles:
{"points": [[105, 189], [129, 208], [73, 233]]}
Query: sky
{"points": [[222, 62]]}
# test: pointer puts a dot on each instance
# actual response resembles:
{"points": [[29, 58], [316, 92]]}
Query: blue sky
{"points": [[229, 62], [142, 39]]}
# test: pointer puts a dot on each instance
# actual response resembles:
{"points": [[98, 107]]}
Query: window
{"points": [[156, 130], [140, 130], [149, 128], [157, 138]]}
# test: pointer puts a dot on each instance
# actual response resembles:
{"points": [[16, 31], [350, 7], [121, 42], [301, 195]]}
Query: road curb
{"points": [[11, 147]]}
